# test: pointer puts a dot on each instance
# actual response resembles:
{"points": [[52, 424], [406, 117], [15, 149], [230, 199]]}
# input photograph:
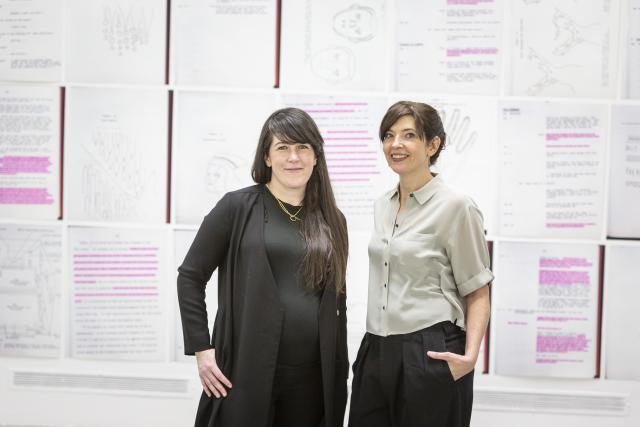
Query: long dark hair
{"points": [[323, 227], [427, 121]]}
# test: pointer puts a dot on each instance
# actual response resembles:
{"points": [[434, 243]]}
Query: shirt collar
{"points": [[422, 194]]}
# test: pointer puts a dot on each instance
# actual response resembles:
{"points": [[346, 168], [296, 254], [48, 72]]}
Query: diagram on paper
{"points": [[331, 44], [563, 54], [116, 177], [30, 287], [126, 28]]}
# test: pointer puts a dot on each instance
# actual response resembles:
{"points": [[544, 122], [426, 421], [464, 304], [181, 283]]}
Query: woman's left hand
{"points": [[458, 365]]}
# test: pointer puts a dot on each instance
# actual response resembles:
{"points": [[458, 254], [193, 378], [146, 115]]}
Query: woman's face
{"points": [[406, 152], [291, 164]]}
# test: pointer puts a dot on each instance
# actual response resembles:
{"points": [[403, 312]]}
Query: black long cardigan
{"points": [[249, 320]]}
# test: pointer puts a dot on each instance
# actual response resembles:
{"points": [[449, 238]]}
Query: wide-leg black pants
{"points": [[395, 383]]}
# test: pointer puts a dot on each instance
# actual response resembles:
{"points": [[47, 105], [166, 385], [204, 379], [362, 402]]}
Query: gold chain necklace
{"points": [[293, 217]]}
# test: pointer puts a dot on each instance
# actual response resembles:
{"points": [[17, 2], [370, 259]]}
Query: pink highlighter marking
{"points": [[563, 278], [571, 135], [25, 196], [114, 268], [561, 344], [351, 159], [12, 165], [346, 145], [352, 166], [115, 294], [114, 275], [115, 262], [329, 111], [472, 51], [354, 173], [564, 262], [351, 138], [113, 255], [347, 131]]}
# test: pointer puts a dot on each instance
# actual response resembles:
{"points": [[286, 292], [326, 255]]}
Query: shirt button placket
{"points": [[385, 286]]}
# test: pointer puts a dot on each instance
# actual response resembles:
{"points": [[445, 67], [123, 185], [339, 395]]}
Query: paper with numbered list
{"points": [[448, 46], [30, 152], [117, 278], [545, 309], [563, 49], [551, 159], [224, 43], [31, 41], [214, 144], [116, 41], [621, 290], [624, 180], [30, 290], [116, 151], [333, 45]]}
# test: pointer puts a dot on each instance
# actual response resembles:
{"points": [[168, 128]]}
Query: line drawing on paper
{"points": [[222, 174], [334, 64], [458, 153], [548, 79], [565, 51], [116, 177], [459, 134], [568, 33], [356, 23], [127, 30], [30, 286]]}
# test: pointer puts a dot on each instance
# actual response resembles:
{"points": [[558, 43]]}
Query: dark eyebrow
{"points": [[402, 130], [287, 142]]}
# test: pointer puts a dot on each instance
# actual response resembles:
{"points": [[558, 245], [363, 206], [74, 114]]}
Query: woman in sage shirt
{"points": [[428, 304]]}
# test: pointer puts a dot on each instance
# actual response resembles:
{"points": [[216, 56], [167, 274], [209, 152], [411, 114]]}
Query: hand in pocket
{"points": [[459, 365]]}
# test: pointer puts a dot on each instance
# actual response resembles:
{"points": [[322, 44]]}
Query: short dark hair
{"points": [[323, 227], [427, 120]]}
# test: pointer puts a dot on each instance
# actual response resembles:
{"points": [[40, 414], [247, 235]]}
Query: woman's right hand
{"points": [[212, 379]]}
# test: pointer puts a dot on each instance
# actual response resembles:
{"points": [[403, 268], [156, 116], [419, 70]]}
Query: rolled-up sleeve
{"points": [[468, 252], [207, 251]]}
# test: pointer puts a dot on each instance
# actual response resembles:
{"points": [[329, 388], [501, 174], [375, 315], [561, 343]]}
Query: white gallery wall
{"points": [[122, 122]]}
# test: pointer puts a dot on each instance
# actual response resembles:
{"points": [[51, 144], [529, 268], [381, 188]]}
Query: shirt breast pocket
{"points": [[419, 254]]}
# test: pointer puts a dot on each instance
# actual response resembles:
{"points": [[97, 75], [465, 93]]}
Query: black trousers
{"points": [[395, 383], [297, 399]]}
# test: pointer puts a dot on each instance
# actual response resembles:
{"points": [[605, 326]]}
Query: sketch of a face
{"points": [[357, 23], [334, 64], [221, 174]]}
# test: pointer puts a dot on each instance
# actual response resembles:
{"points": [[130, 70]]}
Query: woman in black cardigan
{"points": [[278, 352]]}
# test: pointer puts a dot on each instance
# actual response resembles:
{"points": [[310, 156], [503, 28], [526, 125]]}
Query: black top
{"points": [[299, 343], [250, 315]]}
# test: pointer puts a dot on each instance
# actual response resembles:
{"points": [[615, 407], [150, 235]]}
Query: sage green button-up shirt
{"points": [[424, 260]]}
